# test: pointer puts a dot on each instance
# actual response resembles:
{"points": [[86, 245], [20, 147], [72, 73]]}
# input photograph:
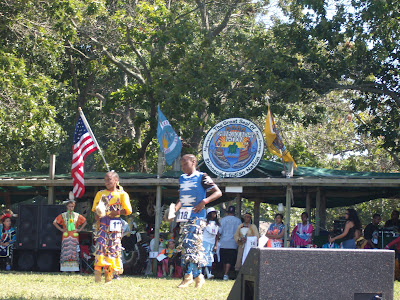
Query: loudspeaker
{"points": [[49, 236], [298, 273], [26, 260], [36, 229], [27, 234], [48, 261]]}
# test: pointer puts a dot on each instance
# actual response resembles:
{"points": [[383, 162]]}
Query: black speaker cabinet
{"points": [[36, 229], [49, 236], [329, 274], [27, 227]]}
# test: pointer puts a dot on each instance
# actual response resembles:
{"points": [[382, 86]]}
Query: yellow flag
{"points": [[274, 140]]}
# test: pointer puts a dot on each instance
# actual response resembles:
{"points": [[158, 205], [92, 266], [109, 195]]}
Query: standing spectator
{"points": [[244, 230], [302, 233], [394, 221], [7, 240], [275, 232], [352, 224], [209, 239], [70, 221], [227, 244], [193, 186], [371, 232]]}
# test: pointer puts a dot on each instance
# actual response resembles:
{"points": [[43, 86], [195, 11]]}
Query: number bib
{"points": [[184, 214], [253, 243], [115, 225], [276, 244]]}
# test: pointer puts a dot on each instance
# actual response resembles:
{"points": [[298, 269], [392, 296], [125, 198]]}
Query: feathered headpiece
{"points": [[5, 216]]}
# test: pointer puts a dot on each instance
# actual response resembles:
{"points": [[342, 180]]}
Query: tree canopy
{"points": [[329, 71]]}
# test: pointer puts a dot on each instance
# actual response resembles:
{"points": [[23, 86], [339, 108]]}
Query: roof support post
{"points": [[318, 211], [238, 205], [7, 199], [257, 203], [158, 204], [308, 204], [323, 210], [157, 224], [52, 171], [287, 215]]}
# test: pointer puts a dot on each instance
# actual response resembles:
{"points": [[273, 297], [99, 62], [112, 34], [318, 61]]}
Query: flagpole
{"points": [[92, 135]]}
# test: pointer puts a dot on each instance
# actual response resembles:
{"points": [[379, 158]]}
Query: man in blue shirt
{"points": [[193, 188]]}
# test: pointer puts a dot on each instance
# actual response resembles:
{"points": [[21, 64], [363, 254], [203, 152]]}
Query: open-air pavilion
{"points": [[308, 188]]}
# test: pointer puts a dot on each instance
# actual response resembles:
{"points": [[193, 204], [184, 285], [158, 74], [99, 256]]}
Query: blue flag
{"points": [[169, 141]]}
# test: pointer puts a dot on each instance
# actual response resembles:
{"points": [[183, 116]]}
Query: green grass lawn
{"points": [[19, 285], [31, 285]]}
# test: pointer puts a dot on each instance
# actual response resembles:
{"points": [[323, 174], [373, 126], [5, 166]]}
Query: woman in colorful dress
{"points": [[276, 232], [302, 233], [7, 240], [244, 230], [71, 224], [109, 205]]}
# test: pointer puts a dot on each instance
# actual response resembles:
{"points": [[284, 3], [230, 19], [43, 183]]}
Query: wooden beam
{"points": [[246, 182], [323, 210], [308, 204], [52, 171], [287, 215], [256, 210], [317, 212], [238, 199]]}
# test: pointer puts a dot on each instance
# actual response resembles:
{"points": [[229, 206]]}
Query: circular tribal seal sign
{"points": [[233, 147]]}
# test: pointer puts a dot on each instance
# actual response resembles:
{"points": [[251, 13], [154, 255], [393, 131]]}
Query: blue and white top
{"points": [[193, 189]]}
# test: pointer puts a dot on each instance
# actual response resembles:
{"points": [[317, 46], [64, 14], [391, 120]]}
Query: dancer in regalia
{"points": [[109, 205], [193, 186]]}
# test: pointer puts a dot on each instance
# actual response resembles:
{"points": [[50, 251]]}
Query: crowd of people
{"points": [[202, 237], [230, 238]]}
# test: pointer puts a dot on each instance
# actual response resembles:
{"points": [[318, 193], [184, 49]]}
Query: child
{"points": [[166, 265], [7, 240], [330, 245]]}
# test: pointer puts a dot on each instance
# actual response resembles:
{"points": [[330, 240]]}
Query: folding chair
{"points": [[86, 260]]}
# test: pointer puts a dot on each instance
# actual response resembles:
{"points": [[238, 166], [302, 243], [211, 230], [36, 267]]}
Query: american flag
{"points": [[82, 147]]}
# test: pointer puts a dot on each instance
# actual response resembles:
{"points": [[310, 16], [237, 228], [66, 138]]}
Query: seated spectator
{"points": [[329, 244], [244, 230], [371, 232], [361, 242], [394, 221], [352, 224], [302, 233], [7, 240], [167, 265], [275, 233]]}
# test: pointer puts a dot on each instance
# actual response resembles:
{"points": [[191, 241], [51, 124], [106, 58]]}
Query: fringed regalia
{"points": [[191, 242], [108, 238]]}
